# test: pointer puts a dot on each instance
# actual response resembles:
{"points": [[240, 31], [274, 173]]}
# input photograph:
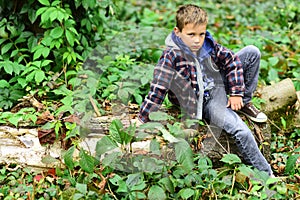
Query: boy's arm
{"points": [[162, 78], [233, 68]]}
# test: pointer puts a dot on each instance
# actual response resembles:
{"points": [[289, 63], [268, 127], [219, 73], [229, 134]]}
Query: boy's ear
{"points": [[176, 30]]}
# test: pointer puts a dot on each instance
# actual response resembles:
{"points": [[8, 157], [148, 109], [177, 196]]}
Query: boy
{"points": [[195, 71]]}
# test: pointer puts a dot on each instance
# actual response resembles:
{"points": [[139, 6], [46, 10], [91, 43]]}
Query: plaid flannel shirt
{"points": [[176, 76]]}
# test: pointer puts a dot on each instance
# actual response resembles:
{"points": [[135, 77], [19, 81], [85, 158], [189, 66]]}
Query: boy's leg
{"points": [[250, 58], [229, 121]]}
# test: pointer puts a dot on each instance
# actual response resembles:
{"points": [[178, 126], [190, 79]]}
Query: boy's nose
{"points": [[197, 39]]}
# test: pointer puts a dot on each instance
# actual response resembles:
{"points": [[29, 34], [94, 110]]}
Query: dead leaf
{"points": [[72, 119], [46, 136], [44, 118], [240, 178]]}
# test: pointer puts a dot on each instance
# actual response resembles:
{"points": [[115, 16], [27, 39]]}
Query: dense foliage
{"points": [[75, 56]]}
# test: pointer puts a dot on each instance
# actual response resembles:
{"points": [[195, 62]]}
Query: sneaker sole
{"points": [[254, 119]]}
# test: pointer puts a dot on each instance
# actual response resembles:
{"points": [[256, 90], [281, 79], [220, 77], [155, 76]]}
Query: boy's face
{"points": [[192, 35]]}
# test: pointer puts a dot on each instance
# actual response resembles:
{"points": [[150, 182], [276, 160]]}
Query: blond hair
{"points": [[190, 14]]}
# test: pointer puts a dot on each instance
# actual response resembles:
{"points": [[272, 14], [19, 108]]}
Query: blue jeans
{"points": [[219, 115]]}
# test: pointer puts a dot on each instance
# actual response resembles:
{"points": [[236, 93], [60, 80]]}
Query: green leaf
{"points": [[37, 53], [45, 51], [54, 14], [155, 147], [45, 16], [283, 122], [291, 163], [263, 64], [104, 145], [14, 52], [6, 48], [3, 34], [39, 76], [46, 63], [247, 171], [82, 188], [45, 2], [167, 135], [297, 149], [55, 3], [231, 159], [30, 76], [186, 193], [272, 180], [67, 100], [184, 155], [115, 179], [115, 130], [31, 43], [18, 68], [78, 196], [61, 16], [139, 187], [111, 159], [167, 184], [122, 187], [86, 161], [4, 84], [273, 61], [68, 158], [273, 75], [135, 180], [31, 15], [40, 11], [70, 37], [15, 120], [57, 32], [114, 77], [138, 98], [159, 116], [32, 117], [156, 193], [2, 39], [151, 125], [49, 159], [8, 67]]}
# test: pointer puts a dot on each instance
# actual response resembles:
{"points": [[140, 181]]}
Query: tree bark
{"points": [[278, 97]]}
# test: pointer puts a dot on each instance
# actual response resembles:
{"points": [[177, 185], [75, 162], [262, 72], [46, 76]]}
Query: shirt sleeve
{"points": [[232, 66], [162, 78]]}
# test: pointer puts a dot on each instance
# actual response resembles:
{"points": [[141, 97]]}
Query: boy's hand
{"points": [[235, 102]]}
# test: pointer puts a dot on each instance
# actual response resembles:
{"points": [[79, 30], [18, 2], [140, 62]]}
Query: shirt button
{"points": [[193, 114], [195, 75], [195, 89]]}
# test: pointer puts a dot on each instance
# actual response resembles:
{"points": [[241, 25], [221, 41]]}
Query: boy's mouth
{"points": [[196, 47]]}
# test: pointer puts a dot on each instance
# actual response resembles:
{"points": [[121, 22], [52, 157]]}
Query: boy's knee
{"points": [[254, 50]]}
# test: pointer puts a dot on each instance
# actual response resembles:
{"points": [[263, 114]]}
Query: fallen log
{"points": [[22, 146], [278, 98], [296, 119]]}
